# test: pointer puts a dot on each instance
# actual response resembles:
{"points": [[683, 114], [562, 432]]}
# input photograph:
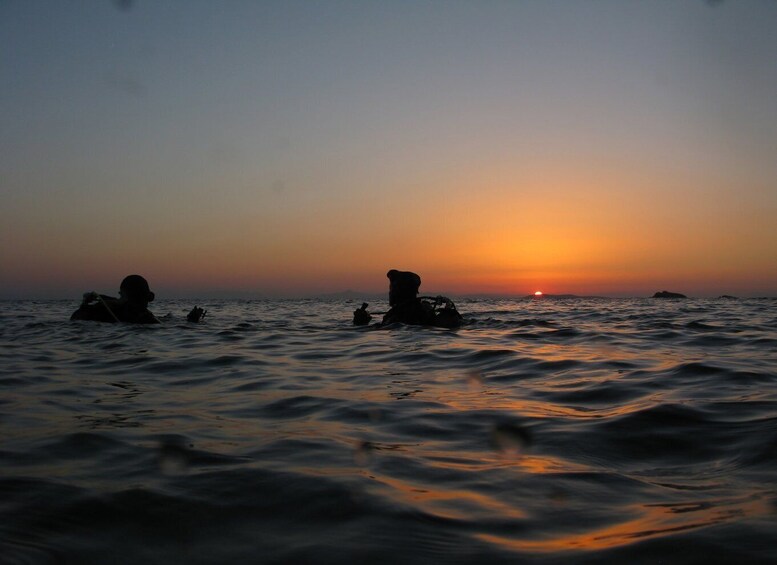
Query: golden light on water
{"points": [[650, 521]]}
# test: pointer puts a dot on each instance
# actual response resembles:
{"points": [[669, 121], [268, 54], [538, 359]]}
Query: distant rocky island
{"points": [[359, 296], [667, 294], [355, 295], [541, 296]]}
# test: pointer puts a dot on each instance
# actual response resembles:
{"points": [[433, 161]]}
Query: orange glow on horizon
{"points": [[502, 240]]}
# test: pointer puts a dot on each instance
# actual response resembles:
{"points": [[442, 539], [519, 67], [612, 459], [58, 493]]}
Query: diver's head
{"points": [[134, 288], [403, 286]]}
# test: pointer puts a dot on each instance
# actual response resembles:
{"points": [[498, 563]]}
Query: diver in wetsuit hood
{"points": [[408, 308]]}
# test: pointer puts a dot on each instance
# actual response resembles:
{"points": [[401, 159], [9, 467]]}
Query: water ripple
{"points": [[550, 431]]}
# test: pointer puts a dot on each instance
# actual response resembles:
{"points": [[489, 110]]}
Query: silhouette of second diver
{"points": [[409, 308], [131, 306]]}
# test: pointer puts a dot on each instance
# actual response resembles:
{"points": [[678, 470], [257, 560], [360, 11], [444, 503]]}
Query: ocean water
{"points": [[544, 431]]}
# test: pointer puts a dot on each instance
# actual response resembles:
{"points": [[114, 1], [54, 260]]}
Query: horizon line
{"points": [[351, 295]]}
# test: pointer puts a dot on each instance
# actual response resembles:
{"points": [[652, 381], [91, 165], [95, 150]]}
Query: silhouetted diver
{"points": [[408, 308], [130, 307]]}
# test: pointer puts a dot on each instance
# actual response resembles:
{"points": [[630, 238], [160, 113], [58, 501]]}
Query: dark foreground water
{"points": [[550, 431]]}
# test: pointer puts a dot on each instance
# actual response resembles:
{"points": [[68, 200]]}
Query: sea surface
{"points": [[543, 431]]}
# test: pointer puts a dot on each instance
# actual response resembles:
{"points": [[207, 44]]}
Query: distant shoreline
{"points": [[382, 297]]}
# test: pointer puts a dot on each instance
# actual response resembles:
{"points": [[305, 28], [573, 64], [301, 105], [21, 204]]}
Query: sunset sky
{"points": [[287, 148]]}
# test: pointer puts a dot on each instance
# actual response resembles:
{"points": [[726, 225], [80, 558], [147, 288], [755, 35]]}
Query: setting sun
{"points": [[538, 293]]}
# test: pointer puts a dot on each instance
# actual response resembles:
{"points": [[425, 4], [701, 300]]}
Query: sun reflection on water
{"points": [[653, 521]]}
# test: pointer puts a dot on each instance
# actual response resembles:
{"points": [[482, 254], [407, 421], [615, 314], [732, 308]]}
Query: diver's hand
{"points": [[196, 314], [89, 297], [360, 316]]}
